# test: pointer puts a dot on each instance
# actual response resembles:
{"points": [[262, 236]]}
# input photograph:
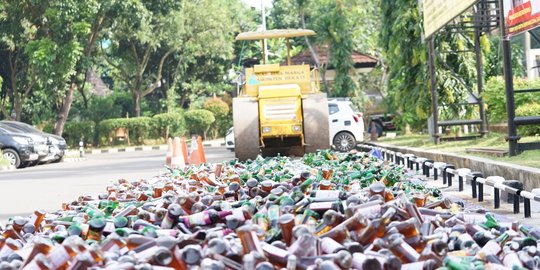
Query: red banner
{"points": [[521, 15]]}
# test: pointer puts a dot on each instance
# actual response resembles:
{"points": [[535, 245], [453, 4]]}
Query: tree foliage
{"points": [[343, 26], [406, 56]]}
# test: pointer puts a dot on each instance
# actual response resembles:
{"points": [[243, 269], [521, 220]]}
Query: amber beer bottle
{"points": [[186, 202], [404, 251], [96, 227], [250, 241], [61, 256], [286, 223], [37, 218]]}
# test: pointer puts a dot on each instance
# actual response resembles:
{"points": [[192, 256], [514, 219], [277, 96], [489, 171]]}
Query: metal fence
{"points": [[448, 172]]}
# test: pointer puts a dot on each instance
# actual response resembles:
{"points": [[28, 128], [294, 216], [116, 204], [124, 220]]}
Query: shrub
{"points": [[75, 130], [170, 124], [495, 96], [529, 109], [138, 129], [198, 121], [221, 112]]}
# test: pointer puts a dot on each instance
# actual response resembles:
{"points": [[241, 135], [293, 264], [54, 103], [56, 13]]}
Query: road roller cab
{"points": [[279, 109]]}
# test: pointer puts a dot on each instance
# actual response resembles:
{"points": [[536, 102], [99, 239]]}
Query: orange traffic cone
{"points": [[184, 149], [168, 157], [196, 157], [177, 160], [202, 156]]}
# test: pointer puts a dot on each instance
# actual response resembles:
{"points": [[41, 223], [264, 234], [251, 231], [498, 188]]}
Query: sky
{"points": [[257, 3]]}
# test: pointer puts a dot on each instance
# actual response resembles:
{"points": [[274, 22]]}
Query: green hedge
{"points": [[529, 109], [75, 130], [138, 128], [169, 124], [199, 121], [495, 97], [221, 112]]}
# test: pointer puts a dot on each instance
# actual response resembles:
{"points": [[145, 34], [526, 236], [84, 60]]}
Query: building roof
{"points": [[360, 60]]}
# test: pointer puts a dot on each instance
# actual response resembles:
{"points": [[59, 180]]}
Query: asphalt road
{"points": [[47, 186]]}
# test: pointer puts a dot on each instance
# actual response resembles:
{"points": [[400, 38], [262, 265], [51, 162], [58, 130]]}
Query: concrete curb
{"points": [[529, 176], [70, 160], [138, 148]]}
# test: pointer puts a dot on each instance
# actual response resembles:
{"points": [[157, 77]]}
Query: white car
{"points": [[229, 139], [346, 126]]}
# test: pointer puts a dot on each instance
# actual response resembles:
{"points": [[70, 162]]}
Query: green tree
{"points": [[18, 29], [406, 56], [343, 26], [153, 39], [199, 121], [221, 113]]}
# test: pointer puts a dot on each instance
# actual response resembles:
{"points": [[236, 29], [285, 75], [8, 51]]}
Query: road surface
{"points": [[47, 186]]}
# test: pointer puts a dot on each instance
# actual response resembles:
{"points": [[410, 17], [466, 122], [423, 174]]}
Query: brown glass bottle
{"points": [[249, 239], [403, 251], [286, 223], [37, 218], [407, 228], [60, 256], [96, 227], [186, 202], [275, 255]]}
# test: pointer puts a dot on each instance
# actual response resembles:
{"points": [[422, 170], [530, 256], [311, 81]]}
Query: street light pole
{"points": [[265, 44]]}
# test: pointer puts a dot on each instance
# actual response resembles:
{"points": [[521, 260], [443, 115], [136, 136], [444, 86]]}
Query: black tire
{"points": [[12, 156], [344, 141], [25, 164], [378, 128]]}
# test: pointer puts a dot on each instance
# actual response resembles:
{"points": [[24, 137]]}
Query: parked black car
{"points": [[56, 146], [17, 148]]}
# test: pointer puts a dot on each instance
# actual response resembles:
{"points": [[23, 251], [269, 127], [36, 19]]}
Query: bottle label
{"points": [[59, 257], [200, 218], [238, 214], [320, 205], [412, 266], [330, 195], [275, 251], [491, 247], [109, 227], [371, 211]]}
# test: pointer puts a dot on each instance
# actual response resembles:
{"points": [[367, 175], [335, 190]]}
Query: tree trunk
{"points": [[137, 103], [62, 115], [17, 101], [18, 107]]}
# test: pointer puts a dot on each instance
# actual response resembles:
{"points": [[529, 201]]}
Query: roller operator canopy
{"points": [[275, 33]]}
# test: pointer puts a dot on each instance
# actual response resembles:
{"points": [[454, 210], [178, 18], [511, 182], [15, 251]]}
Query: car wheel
{"points": [[378, 128], [344, 141], [13, 157]]}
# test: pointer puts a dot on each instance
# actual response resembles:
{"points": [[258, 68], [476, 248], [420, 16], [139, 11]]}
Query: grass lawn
{"points": [[492, 140]]}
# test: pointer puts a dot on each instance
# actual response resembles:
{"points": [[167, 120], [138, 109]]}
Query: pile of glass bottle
{"points": [[324, 211]]}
